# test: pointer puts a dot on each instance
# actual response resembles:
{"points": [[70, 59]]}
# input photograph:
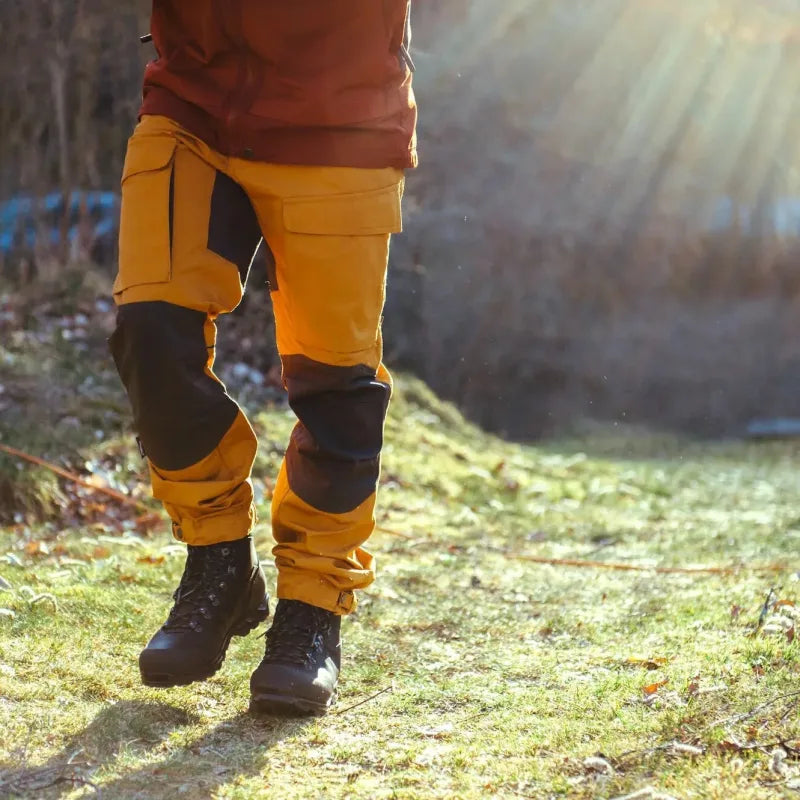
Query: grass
{"points": [[468, 673]]}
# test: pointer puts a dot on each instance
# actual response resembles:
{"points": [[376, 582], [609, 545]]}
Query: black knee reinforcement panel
{"points": [[333, 459], [180, 413]]}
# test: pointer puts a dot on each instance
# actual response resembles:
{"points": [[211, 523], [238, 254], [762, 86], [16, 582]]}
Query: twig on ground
{"points": [[675, 747], [26, 781], [762, 617], [398, 534], [793, 751], [65, 473], [75, 779], [789, 709], [741, 717], [366, 700], [576, 562]]}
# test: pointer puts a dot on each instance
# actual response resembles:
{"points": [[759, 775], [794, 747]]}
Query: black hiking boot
{"points": [[222, 594], [300, 668]]}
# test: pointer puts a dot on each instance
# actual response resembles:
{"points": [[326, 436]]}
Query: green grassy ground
{"points": [[468, 672]]}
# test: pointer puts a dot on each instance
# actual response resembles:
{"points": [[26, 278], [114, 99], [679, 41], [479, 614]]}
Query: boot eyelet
{"points": [[226, 551], [222, 584]]}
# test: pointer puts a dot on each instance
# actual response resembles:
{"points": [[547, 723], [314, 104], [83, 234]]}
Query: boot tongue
{"points": [[294, 630]]}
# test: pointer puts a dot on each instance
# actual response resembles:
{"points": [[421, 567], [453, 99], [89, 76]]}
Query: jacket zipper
{"points": [[405, 44]]}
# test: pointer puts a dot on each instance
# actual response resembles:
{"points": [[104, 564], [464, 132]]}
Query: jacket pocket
{"points": [[145, 231]]}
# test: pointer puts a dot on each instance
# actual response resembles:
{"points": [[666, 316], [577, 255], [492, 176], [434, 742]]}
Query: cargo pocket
{"points": [[334, 275], [145, 230], [357, 214]]}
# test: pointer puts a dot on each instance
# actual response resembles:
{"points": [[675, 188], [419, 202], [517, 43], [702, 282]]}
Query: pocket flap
{"points": [[148, 154], [358, 214]]}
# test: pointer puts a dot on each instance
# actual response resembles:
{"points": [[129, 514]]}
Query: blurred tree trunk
{"points": [[58, 68], [71, 86]]}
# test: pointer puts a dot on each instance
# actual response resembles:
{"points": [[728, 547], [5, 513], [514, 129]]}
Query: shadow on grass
{"points": [[236, 747]]}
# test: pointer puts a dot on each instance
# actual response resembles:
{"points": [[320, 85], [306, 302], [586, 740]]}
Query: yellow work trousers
{"points": [[191, 221]]}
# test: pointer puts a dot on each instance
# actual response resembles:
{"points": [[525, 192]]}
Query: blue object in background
{"points": [[25, 219], [783, 214], [777, 428]]}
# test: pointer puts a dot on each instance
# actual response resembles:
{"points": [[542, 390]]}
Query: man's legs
{"points": [[328, 229], [187, 233]]}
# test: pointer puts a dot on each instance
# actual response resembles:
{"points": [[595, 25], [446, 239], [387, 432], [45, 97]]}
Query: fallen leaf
{"points": [[126, 578], [729, 745], [782, 603], [147, 522], [149, 559], [693, 686], [735, 612], [36, 549], [790, 635], [652, 688], [100, 552]]}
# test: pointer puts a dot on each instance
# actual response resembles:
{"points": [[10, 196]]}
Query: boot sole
{"points": [[164, 680], [281, 705]]}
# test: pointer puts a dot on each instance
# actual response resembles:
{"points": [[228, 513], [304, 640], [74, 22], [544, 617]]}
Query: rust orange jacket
{"points": [[314, 82]]}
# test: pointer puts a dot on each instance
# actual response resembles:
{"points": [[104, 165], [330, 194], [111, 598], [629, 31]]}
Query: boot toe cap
{"points": [[284, 687], [173, 659]]}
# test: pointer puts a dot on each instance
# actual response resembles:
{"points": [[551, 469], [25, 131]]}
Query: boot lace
{"points": [[205, 585], [297, 630]]}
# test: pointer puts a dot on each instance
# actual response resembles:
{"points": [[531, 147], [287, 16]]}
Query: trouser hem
{"points": [[316, 592], [212, 530]]}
